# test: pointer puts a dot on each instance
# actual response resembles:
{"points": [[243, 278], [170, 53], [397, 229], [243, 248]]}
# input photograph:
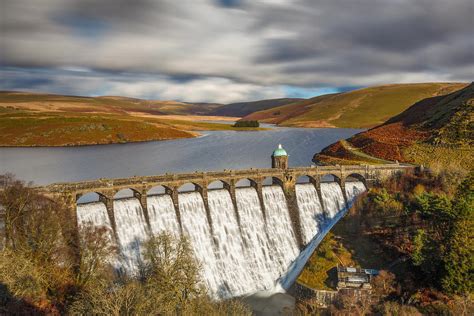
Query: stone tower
{"points": [[280, 158]]}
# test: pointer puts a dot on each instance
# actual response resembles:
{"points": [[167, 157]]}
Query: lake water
{"points": [[216, 150]]}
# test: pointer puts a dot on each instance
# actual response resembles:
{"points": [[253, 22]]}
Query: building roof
{"points": [[279, 152]]}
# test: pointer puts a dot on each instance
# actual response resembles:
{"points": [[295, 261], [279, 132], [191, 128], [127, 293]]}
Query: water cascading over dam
{"points": [[242, 247]]}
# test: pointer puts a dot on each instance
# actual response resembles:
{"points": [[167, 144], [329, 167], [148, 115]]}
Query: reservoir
{"points": [[214, 150]]}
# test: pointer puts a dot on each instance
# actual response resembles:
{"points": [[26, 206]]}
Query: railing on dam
{"points": [[286, 178]]}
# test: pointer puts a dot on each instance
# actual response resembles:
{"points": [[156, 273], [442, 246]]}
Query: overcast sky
{"points": [[231, 50]]}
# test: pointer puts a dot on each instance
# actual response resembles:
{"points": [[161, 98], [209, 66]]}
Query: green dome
{"points": [[279, 152]]}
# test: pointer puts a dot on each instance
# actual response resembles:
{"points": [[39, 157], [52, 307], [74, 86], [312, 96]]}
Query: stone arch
{"points": [[356, 177], [272, 181], [218, 184], [245, 182], [126, 193], [89, 197], [189, 187], [305, 178], [158, 189], [330, 177]]}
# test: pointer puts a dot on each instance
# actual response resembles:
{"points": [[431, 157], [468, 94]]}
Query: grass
{"points": [[28, 128], [60, 130], [32, 119], [362, 108], [345, 153], [342, 246], [317, 273], [110, 105], [437, 133], [439, 158]]}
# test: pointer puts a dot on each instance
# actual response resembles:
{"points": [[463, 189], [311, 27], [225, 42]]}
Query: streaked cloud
{"points": [[231, 50]]}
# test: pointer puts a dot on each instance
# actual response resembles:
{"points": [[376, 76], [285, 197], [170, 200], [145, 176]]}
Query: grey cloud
{"points": [[255, 43]]}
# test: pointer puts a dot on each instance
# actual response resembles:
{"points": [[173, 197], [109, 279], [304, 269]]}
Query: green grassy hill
{"points": [[437, 131], [363, 108]]}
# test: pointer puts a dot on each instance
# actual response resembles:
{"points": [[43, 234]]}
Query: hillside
{"points": [[104, 104], [34, 119], [245, 108], [363, 108], [437, 131], [123, 105]]}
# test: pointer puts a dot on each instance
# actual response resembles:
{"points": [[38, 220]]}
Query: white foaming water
{"points": [[333, 200], [94, 213], [234, 261], [236, 278], [131, 232], [310, 210], [353, 189], [283, 246], [162, 215], [254, 236], [197, 229]]}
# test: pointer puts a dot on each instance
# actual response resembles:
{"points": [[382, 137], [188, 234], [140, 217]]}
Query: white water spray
{"points": [[310, 211], [236, 260]]}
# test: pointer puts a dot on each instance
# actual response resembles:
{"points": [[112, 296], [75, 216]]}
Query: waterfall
{"points": [[196, 227], [236, 260], [333, 200], [162, 215], [96, 214], [353, 189], [93, 213], [255, 239], [310, 210], [131, 232], [282, 240], [236, 278]]}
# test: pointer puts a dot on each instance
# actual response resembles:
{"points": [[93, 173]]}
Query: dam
{"points": [[251, 230]]}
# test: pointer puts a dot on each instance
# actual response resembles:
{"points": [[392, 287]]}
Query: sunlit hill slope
{"points": [[363, 108], [437, 131]]}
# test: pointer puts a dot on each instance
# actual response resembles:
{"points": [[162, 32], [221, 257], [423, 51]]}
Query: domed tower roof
{"points": [[279, 152]]}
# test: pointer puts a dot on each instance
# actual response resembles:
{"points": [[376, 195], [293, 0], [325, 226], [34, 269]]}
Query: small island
{"points": [[244, 123]]}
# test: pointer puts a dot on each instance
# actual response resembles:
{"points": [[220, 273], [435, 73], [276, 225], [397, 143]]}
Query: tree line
{"points": [[424, 223]]}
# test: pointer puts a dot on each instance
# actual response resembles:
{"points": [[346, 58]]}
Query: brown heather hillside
{"points": [[105, 104], [363, 108], [437, 131], [34, 119]]}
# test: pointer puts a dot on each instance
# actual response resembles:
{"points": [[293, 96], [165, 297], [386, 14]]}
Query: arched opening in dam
{"points": [[304, 179], [124, 194], [90, 197], [272, 181], [157, 190], [329, 177], [189, 187], [245, 183], [217, 184], [356, 177]]}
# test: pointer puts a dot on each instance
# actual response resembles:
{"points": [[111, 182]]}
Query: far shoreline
{"points": [[194, 134]]}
